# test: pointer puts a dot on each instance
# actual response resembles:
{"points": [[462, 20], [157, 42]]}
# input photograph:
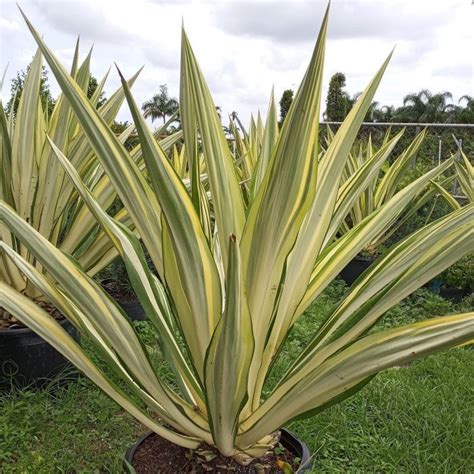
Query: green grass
{"points": [[419, 419], [77, 429], [416, 419]]}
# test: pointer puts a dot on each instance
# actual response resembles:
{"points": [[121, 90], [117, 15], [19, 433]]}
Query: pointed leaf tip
{"points": [[122, 79], [22, 12]]}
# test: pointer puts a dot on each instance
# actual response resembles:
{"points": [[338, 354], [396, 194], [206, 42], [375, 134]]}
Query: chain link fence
{"points": [[441, 142]]}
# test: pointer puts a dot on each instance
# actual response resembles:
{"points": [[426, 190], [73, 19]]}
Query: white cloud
{"points": [[245, 48], [8, 25], [297, 21], [89, 19]]}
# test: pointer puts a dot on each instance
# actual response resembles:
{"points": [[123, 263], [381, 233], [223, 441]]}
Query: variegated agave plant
{"points": [[231, 287], [465, 178], [370, 179], [378, 180], [34, 183]]}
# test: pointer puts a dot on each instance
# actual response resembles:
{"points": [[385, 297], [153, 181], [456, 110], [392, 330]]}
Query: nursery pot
{"points": [[355, 268], [28, 360], [133, 309], [453, 294], [448, 293], [288, 440]]}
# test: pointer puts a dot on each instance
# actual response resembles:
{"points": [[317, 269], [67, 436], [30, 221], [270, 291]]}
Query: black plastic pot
{"points": [[453, 294], [355, 268], [133, 308], [298, 448], [449, 293], [288, 440], [28, 360]]}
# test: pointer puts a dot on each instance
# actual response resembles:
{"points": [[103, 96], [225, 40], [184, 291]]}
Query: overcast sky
{"points": [[246, 47]]}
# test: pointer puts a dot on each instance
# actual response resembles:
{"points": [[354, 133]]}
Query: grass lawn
{"points": [[415, 419]]}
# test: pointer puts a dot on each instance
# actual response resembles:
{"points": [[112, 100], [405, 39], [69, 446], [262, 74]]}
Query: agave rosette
{"points": [[34, 183], [231, 287], [464, 176], [377, 179], [371, 176]]}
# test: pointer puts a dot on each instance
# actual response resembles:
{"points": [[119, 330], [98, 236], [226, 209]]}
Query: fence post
{"points": [[457, 158]]}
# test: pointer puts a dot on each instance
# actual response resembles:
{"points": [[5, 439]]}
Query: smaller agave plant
{"points": [[238, 265], [464, 176], [33, 182], [370, 179], [378, 179]]}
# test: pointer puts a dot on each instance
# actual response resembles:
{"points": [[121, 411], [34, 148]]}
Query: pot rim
{"points": [[286, 435], [106, 281], [363, 258], [19, 331]]}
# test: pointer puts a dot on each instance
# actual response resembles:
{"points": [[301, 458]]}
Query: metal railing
{"points": [[408, 124], [442, 141]]}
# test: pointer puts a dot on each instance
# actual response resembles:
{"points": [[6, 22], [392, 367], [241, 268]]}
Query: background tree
{"points": [[420, 107], [47, 100], [371, 111], [234, 116], [384, 113], [118, 127], [219, 114], [92, 87], [161, 105], [338, 102], [16, 89], [425, 106], [285, 102], [466, 114]]}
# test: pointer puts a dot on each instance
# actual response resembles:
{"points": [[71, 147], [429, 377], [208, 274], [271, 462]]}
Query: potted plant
{"points": [[371, 178], [232, 283], [32, 182], [114, 279], [379, 178], [356, 267], [458, 280], [465, 175]]}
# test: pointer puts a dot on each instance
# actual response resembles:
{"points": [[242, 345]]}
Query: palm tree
{"points": [[469, 100], [160, 105], [425, 106], [414, 106], [466, 114], [234, 116], [383, 114], [438, 108]]}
